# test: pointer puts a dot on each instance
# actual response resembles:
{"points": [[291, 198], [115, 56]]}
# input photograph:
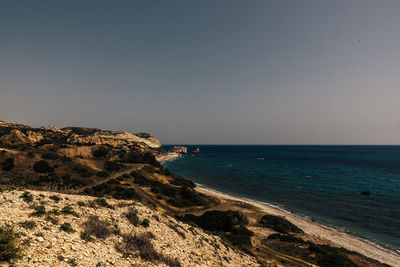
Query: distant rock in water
{"points": [[365, 193]]}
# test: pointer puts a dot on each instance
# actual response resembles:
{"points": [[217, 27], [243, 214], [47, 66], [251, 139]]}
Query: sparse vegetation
{"points": [[28, 225], [86, 236], [101, 152], [66, 227], [279, 224], [50, 155], [8, 164], [69, 210], [27, 196], [112, 166], [142, 244], [39, 211], [42, 166], [10, 249], [103, 203], [97, 227], [145, 223], [55, 198], [132, 217], [52, 219]]}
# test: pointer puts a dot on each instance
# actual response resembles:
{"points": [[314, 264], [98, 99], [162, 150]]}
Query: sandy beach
{"points": [[318, 231]]}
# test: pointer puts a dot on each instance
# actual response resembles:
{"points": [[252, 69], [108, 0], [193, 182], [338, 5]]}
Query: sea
{"points": [[322, 183]]}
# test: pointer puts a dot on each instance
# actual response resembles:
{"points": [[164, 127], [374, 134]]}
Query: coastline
{"points": [[316, 230]]}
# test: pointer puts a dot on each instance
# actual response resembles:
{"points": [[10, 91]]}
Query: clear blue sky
{"points": [[236, 72]]}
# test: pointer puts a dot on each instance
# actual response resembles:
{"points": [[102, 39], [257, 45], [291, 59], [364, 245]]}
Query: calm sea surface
{"points": [[321, 182]]}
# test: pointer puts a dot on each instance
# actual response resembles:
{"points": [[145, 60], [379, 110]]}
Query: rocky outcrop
{"points": [[11, 133], [113, 138], [179, 149], [126, 233]]}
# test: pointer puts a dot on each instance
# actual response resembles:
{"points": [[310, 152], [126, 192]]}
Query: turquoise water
{"points": [[320, 182]]}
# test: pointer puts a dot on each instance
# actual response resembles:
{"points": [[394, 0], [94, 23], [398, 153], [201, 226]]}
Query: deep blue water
{"points": [[321, 182]]}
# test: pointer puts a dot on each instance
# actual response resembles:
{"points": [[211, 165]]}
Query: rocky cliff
{"points": [[12, 133]]}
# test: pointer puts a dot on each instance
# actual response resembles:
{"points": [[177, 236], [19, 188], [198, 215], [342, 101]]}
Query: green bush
{"points": [[102, 202], [27, 196], [101, 152], [112, 166], [102, 174], [9, 244], [50, 155], [145, 223], [42, 167], [39, 211], [55, 198], [69, 210], [8, 164], [279, 224], [28, 225], [66, 227], [86, 236]]}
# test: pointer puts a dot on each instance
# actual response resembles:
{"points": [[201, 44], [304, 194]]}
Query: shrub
{"points": [[8, 164], [279, 224], [39, 211], [50, 155], [102, 202], [242, 230], [28, 225], [145, 223], [126, 193], [239, 239], [66, 227], [112, 166], [97, 227], [331, 257], [52, 219], [27, 196], [132, 217], [216, 220], [9, 248], [55, 198], [42, 167], [141, 243], [101, 152], [65, 158], [69, 210], [7, 187], [102, 174], [138, 157], [86, 236]]}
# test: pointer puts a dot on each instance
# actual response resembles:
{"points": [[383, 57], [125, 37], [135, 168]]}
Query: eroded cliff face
{"points": [[12, 133]]}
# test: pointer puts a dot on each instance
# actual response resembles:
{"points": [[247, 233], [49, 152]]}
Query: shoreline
{"points": [[316, 230]]}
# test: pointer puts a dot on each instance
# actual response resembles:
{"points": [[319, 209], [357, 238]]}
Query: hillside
{"points": [[107, 233], [51, 176]]}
